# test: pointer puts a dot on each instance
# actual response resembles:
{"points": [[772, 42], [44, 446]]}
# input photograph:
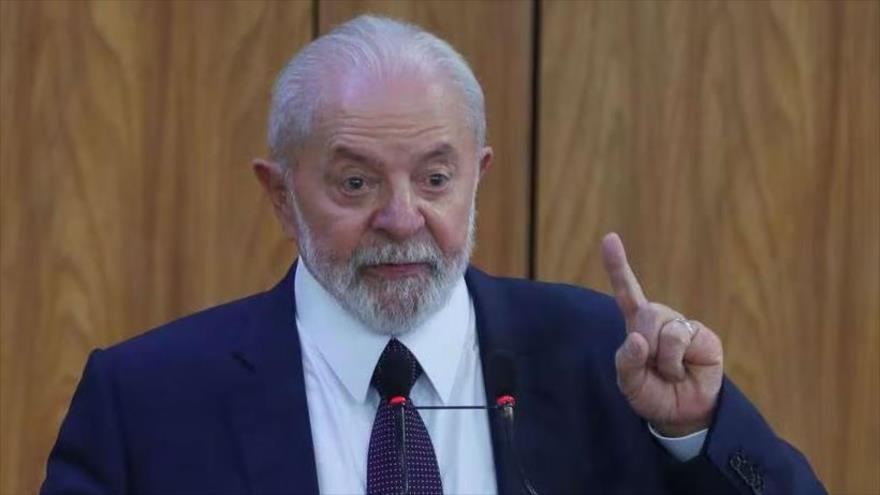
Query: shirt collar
{"points": [[352, 349]]}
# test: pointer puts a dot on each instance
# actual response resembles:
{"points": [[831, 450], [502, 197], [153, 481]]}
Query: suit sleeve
{"points": [[89, 456], [742, 449]]}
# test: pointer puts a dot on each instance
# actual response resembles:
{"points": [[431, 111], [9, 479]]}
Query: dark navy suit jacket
{"points": [[214, 403]]}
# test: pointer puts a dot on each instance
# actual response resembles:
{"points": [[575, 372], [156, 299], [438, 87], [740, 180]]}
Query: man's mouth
{"points": [[398, 270]]}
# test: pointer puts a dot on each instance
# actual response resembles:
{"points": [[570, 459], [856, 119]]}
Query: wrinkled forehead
{"points": [[400, 94], [393, 101]]}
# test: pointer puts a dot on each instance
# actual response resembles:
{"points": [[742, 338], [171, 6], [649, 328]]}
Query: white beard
{"points": [[390, 307]]}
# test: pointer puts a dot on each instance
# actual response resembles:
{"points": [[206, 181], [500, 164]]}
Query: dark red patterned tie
{"points": [[384, 475]]}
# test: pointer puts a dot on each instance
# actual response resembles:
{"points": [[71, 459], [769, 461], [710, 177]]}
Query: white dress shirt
{"points": [[339, 354]]}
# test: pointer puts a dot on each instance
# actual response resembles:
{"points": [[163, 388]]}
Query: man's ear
{"points": [[272, 176], [486, 160]]}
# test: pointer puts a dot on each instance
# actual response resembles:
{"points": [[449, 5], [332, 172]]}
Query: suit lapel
{"points": [[266, 405], [509, 320], [497, 330]]}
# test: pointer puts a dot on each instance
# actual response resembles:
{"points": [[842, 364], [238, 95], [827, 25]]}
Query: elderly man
{"points": [[377, 146]]}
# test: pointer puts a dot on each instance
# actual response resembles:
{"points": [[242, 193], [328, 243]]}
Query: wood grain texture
{"points": [[735, 147], [500, 55], [127, 197], [733, 144]]}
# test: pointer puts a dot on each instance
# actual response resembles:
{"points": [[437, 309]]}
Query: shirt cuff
{"points": [[682, 448]]}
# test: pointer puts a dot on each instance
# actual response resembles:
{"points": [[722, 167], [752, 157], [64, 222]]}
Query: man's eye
{"points": [[353, 184], [437, 180]]}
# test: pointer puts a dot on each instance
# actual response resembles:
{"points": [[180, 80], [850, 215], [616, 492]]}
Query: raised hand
{"points": [[669, 368]]}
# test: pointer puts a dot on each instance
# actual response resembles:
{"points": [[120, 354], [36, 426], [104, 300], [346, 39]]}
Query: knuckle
{"points": [[683, 335], [657, 308], [675, 335]]}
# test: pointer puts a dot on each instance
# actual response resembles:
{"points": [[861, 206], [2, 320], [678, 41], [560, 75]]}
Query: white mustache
{"points": [[411, 252]]}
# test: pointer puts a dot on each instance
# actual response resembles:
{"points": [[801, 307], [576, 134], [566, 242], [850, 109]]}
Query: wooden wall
{"points": [[736, 148], [735, 145], [127, 194]]}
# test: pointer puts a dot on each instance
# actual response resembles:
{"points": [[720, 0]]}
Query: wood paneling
{"points": [[736, 147], [127, 196], [733, 144], [495, 38]]}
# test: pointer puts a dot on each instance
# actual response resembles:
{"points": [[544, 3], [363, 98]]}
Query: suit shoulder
{"points": [[199, 334], [557, 299], [562, 313]]}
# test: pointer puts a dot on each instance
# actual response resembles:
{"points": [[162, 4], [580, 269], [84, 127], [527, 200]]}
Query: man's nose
{"points": [[399, 217]]}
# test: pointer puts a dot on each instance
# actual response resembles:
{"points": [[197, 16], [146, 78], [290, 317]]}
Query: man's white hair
{"points": [[366, 45]]}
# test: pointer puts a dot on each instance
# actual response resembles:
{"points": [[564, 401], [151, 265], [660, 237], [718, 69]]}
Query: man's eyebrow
{"points": [[441, 151], [345, 153]]}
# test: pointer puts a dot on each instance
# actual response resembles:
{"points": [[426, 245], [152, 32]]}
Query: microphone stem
{"points": [[507, 418], [404, 468]]}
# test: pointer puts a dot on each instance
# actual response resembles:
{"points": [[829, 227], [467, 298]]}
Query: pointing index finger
{"points": [[627, 291]]}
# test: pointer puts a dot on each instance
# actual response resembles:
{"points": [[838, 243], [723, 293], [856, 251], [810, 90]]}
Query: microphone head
{"points": [[394, 376], [502, 373]]}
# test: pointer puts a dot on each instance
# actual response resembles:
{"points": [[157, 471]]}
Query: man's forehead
{"points": [[385, 93], [403, 105]]}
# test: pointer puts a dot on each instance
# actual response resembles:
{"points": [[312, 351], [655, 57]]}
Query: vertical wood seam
{"points": [[316, 19], [532, 228]]}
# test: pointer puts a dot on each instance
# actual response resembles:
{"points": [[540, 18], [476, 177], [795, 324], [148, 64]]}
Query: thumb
{"points": [[631, 361]]}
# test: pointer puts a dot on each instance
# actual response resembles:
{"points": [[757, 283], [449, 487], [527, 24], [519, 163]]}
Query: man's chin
{"points": [[394, 316]]}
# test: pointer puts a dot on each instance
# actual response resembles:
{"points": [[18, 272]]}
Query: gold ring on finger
{"points": [[692, 329]]}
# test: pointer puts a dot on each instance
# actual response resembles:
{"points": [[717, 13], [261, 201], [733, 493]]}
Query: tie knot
{"points": [[396, 371]]}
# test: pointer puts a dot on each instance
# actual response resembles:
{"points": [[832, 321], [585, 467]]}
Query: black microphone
{"points": [[395, 376], [502, 379]]}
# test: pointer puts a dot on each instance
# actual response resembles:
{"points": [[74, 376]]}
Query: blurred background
{"points": [[735, 145]]}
